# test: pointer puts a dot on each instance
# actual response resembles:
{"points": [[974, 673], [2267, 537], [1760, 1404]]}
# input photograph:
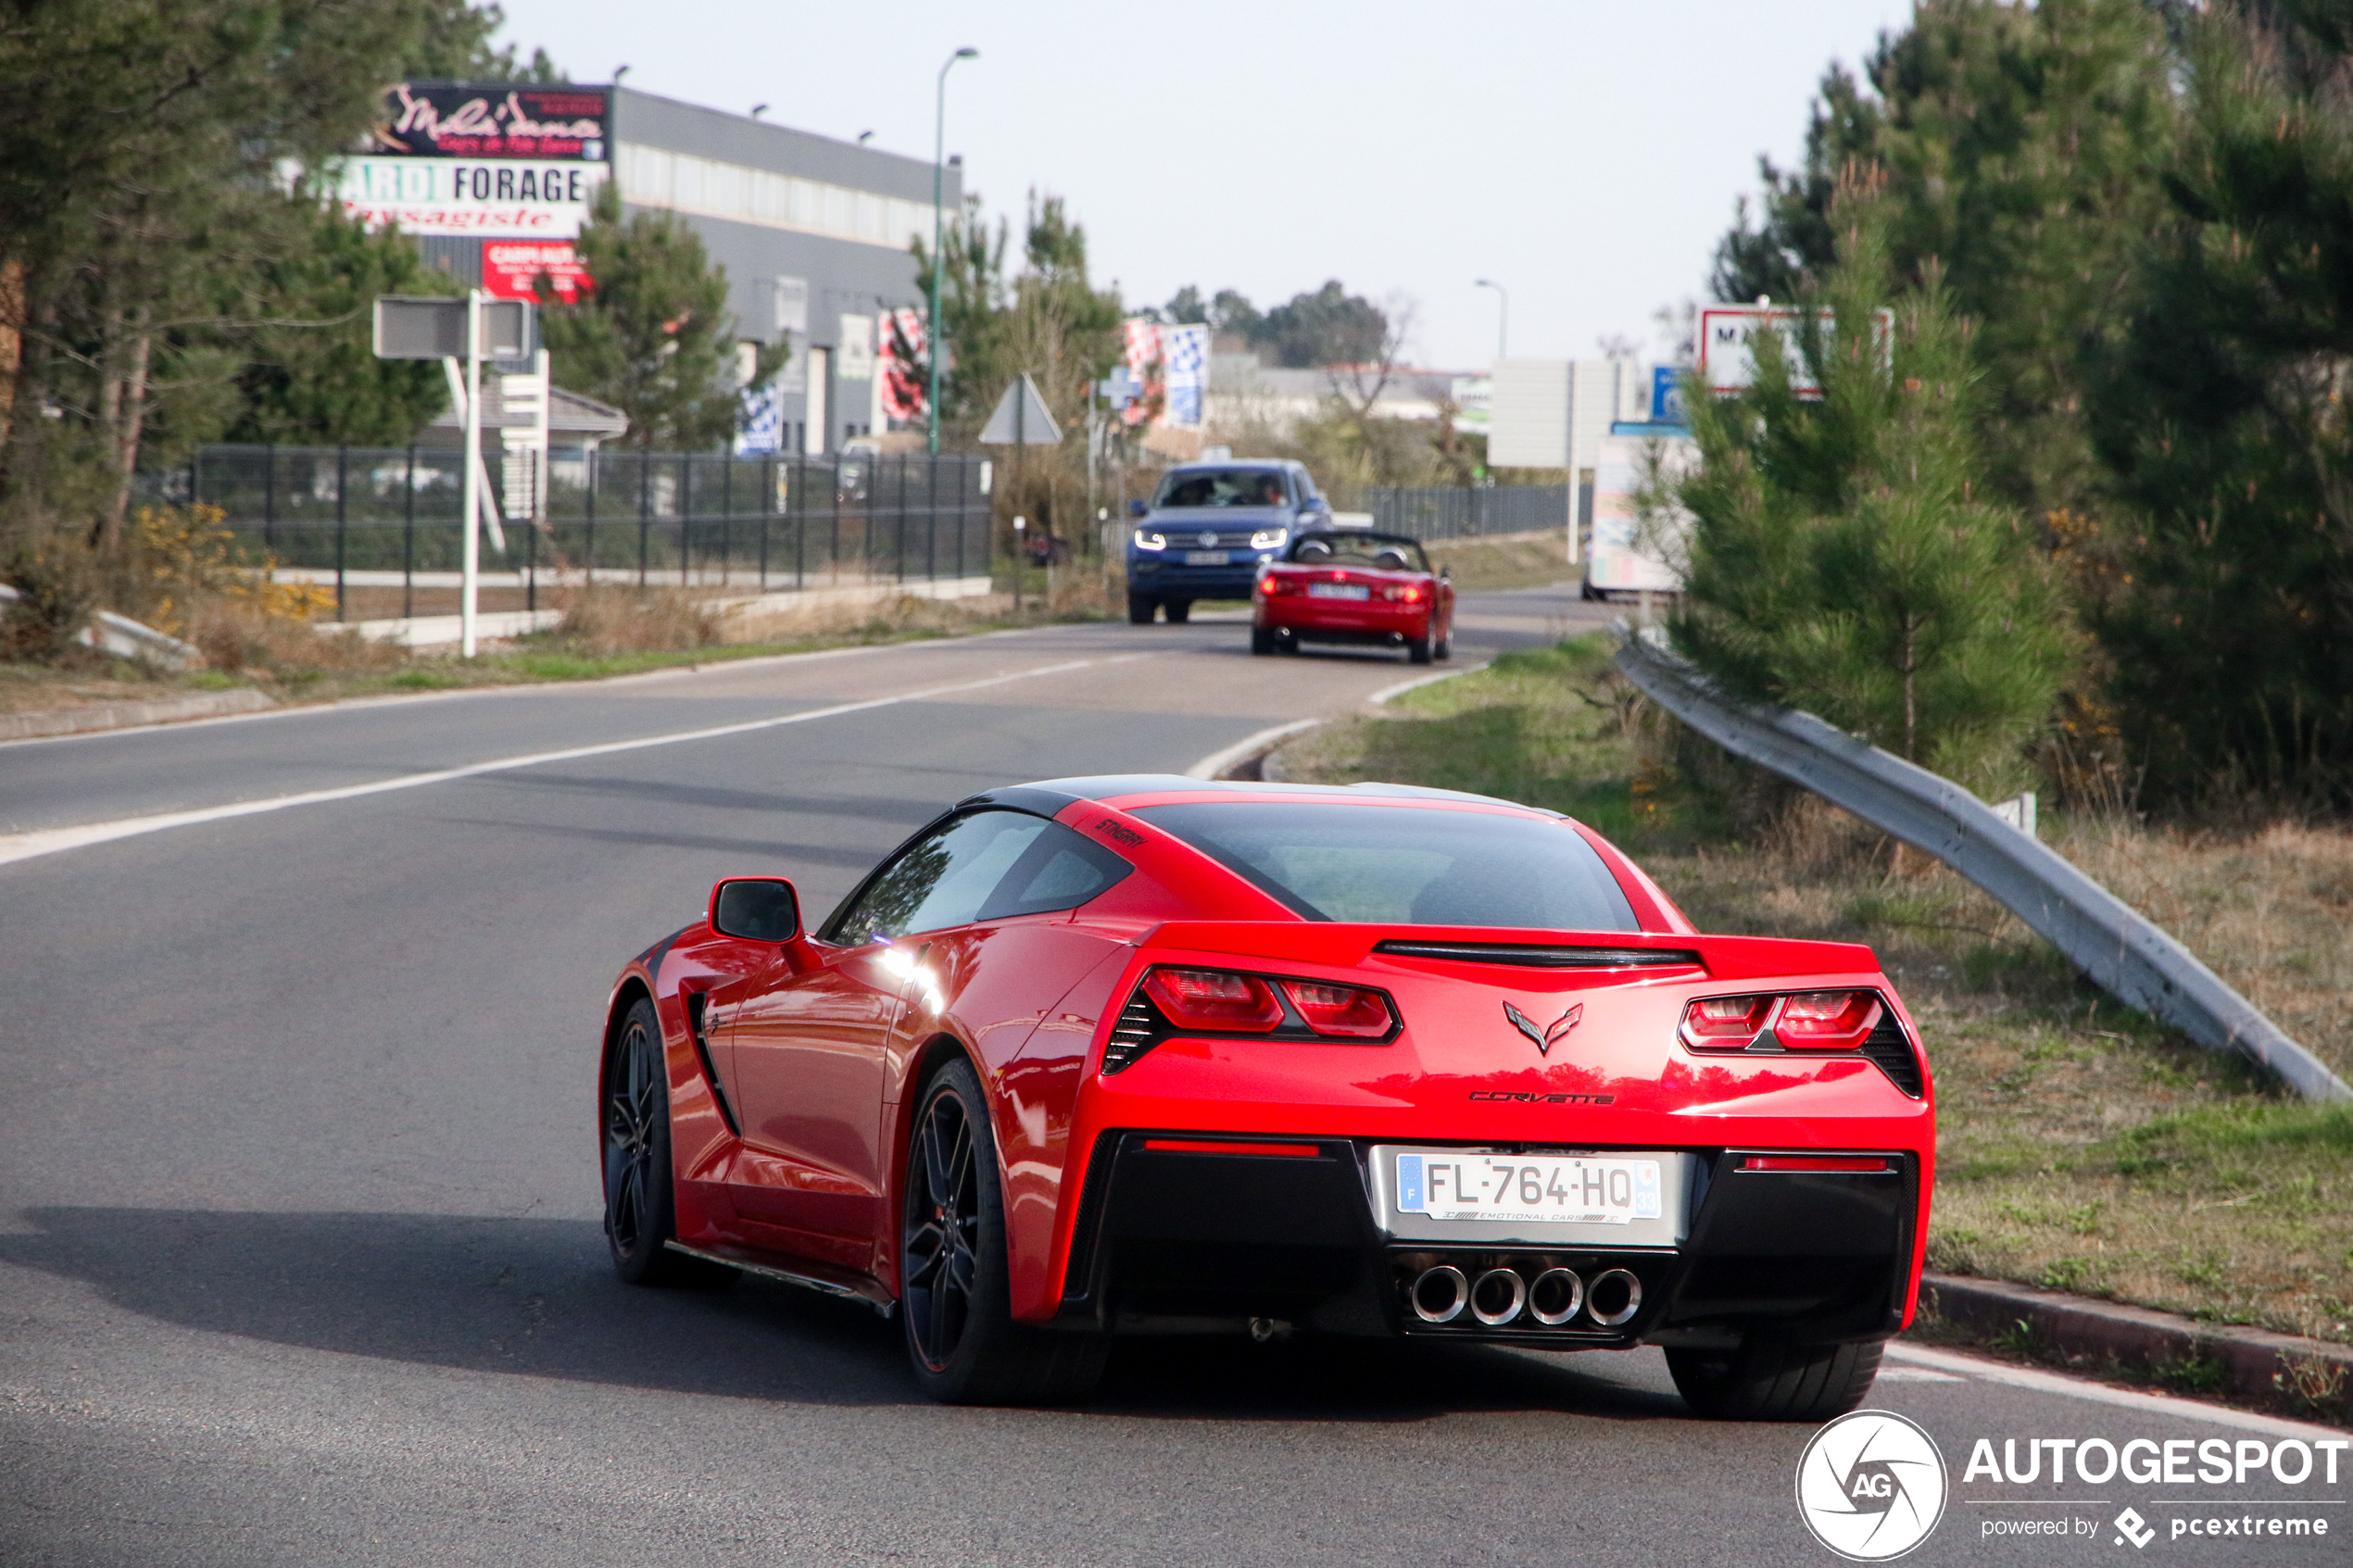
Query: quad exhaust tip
{"points": [[1498, 1296], [1442, 1294]]}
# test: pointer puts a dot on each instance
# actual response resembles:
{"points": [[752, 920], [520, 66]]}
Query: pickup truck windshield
{"points": [[1225, 487]]}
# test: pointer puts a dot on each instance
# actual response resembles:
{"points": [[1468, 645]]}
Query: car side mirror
{"points": [[755, 909], [1138, 509]]}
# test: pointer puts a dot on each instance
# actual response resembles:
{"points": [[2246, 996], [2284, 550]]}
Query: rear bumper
{"points": [[1171, 1241], [1354, 624]]}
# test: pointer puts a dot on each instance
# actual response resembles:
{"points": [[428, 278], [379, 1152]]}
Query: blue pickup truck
{"points": [[1208, 528]]}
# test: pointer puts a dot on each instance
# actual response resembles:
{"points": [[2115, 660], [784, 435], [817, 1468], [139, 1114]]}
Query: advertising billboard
{"points": [[511, 270], [510, 198], [480, 119]]}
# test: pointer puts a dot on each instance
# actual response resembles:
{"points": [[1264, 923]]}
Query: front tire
{"points": [[1763, 1381], [962, 1341], [1141, 607], [1180, 610], [641, 1211]]}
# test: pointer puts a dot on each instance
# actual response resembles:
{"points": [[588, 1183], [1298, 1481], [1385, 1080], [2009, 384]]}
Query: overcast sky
{"points": [[1585, 154]]}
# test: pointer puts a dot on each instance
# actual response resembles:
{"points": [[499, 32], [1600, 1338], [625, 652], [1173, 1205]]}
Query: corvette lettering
{"points": [[1118, 833], [1524, 1097]]}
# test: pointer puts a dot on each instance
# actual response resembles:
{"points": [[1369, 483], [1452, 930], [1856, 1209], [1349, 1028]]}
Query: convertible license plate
{"points": [[1585, 1189], [1204, 557], [1339, 591]]}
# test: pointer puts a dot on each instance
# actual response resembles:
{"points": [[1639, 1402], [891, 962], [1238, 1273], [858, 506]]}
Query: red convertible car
{"points": [[1140, 1055], [1351, 585]]}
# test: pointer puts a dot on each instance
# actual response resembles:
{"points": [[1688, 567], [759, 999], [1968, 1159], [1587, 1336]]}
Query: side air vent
{"points": [[1887, 1045], [1525, 955]]}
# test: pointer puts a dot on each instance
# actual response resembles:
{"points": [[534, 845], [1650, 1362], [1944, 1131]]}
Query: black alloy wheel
{"points": [[1141, 607], [640, 1204], [954, 1296], [942, 1233], [1418, 650]]}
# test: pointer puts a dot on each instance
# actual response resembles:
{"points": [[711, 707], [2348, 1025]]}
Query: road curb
{"points": [[131, 715], [2310, 1378]]}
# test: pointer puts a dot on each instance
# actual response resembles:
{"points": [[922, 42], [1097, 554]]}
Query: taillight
{"points": [[1397, 595], [1723, 1024], [1213, 998], [1339, 1010], [1826, 1021], [1807, 1021], [1270, 585]]}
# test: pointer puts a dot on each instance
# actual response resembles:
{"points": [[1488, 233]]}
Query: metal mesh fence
{"points": [[651, 517], [1463, 512]]}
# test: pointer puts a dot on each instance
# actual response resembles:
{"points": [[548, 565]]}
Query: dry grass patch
{"points": [[2080, 1146], [1505, 560]]}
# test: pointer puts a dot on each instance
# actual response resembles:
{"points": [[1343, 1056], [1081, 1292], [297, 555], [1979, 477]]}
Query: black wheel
{"points": [[1180, 610], [1418, 650], [640, 1204], [1261, 641], [1763, 1381], [962, 1339], [1444, 649], [1141, 607]]}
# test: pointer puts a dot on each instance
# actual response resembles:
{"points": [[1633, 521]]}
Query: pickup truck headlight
{"points": [[1270, 539], [1148, 540]]}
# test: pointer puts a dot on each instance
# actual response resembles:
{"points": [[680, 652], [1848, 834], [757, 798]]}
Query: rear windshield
{"points": [[1224, 487], [1378, 552], [1388, 864]]}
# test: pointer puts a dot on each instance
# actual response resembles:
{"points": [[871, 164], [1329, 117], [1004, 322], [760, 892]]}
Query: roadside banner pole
{"points": [[470, 589]]}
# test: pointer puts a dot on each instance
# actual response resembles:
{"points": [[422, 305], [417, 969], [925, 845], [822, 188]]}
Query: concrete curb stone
{"points": [[2282, 1371], [130, 715]]}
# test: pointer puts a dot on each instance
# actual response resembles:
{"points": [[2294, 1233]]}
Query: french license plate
{"points": [[1588, 1190], [1339, 591], [1204, 557]]}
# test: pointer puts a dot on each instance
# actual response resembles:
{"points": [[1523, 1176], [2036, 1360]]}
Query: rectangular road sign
{"points": [[433, 327]]}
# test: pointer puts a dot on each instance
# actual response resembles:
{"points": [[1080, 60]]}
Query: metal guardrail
{"points": [[2099, 933]]}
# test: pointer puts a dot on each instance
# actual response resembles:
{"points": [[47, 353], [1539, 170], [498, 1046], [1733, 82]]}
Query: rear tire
{"points": [[1180, 610], [1445, 648], [1261, 641], [962, 1341], [1418, 650], [1763, 1381], [1141, 607]]}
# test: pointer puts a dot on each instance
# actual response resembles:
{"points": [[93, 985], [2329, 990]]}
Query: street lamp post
{"points": [[1502, 314], [938, 154]]}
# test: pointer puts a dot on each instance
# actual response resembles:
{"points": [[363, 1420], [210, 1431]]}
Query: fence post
{"points": [[726, 514], [645, 511], [341, 452], [531, 560], [269, 497], [767, 500], [902, 548], [589, 565], [931, 518], [409, 538], [685, 516], [837, 550], [797, 506]]}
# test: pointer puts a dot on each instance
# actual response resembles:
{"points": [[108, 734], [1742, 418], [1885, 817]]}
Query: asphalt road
{"points": [[299, 1258]]}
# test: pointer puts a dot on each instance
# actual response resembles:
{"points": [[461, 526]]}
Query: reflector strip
{"points": [[1198, 1146], [1811, 1162]]}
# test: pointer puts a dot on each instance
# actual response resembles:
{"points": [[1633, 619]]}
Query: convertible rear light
{"points": [[1214, 999], [1826, 1021], [1341, 1009], [1725, 1023], [1271, 583], [1396, 595]]}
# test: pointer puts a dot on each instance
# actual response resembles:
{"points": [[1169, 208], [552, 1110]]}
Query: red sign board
{"points": [[511, 269]]}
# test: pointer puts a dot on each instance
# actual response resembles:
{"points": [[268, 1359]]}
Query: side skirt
{"points": [[867, 1293]]}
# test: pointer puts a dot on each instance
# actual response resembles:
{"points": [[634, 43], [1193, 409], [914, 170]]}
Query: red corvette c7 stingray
{"points": [[1145, 1054]]}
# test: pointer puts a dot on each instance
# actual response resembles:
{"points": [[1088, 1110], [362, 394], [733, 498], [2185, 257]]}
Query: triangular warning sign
{"points": [[1022, 417]]}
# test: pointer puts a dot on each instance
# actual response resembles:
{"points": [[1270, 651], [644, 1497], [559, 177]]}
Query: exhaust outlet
{"points": [[1554, 1296], [1441, 1294], [1614, 1298], [1498, 1296]]}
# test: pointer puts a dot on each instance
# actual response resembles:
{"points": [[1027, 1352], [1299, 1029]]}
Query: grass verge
{"points": [[2080, 1146]]}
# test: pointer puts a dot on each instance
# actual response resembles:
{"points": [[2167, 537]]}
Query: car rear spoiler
{"points": [[1347, 945]]}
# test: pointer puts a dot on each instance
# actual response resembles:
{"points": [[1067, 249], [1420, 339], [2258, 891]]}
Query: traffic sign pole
{"points": [[470, 590]]}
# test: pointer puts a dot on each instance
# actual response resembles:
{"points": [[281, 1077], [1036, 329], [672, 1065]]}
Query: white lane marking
{"points": [[1217, 763], [1918, 1375], [1380, 698], [2103, 1394], [50, 841]]}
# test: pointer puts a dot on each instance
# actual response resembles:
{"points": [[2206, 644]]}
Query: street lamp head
{"points": [[968, 53], [618, 72], [1482, 283]]}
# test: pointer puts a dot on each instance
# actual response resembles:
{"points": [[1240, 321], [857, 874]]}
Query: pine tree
{"points": [[2222, 416], [654, 337], [1844, 558]]}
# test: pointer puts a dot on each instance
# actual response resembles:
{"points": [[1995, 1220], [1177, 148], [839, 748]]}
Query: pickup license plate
{"points": [[1204, 557], [1339, 591], [1585, 1189]]}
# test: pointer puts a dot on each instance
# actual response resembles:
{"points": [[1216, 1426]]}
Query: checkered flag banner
{"points": [[1185, 352], [900, 365]]}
